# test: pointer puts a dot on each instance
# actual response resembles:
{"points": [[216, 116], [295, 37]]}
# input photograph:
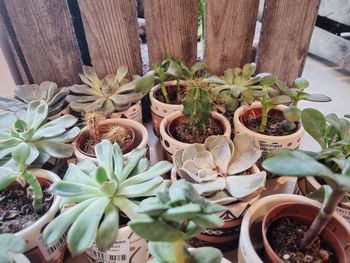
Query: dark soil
{"points": [[183, 132], [284, 237], [174, 98], [274, 126], [16, 211]]}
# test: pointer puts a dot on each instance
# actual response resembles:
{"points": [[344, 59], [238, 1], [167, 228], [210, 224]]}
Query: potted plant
{"points": [[225, 173], [129, 134], [272, 124], [26, 206], [48, 91], [101, 199], [195, 123], [333, 135], [114, 95], [49, 141], [171, 218], [11, 249], [166, 97]]}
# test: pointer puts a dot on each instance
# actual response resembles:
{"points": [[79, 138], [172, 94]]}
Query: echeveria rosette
{"points": [[174, 216], [10, 245], [25, 94], [218, 168], [45, 138], [101, 194]]}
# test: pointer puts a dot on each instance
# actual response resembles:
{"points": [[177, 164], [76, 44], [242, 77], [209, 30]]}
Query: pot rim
{"points": [[244, 108], [172, 116], [165, 105]]}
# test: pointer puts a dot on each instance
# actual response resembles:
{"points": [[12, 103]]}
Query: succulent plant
{"points": [[174, 216], [235, 86], [45, 138], [112, 93], [101, 194], [10, 245], [218, 169], [297, 93], [47, 91]]}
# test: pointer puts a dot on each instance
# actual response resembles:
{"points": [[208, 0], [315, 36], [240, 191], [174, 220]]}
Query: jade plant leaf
{"points": [[314, 124], [206, 255]]}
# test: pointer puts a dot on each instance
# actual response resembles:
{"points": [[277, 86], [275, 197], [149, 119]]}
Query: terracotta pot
{"points": [[307, 185], [251, 248], [266, 143], [36, 250], [170, 144], [335, 234], [226, 237], [128, 247], [160, 109], [140, 141], [133, 113]]}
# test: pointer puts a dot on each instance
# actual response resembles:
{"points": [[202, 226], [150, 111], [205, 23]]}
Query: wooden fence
{"points": [[46, 37]]}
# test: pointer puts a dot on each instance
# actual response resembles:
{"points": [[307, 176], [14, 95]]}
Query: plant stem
{"points": [[178, 249], [163, 87], [263, 118], [37, 191], [322, 218]]}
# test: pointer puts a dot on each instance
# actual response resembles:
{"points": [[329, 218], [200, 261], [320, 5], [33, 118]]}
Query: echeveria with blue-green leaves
{"points": [[45, 138], [174, 216], [101, 194], [10, 245]]}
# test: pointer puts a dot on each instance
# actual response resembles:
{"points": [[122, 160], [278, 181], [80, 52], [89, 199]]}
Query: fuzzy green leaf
{"points": [[206, 255], [108, 229], [314, 124]]}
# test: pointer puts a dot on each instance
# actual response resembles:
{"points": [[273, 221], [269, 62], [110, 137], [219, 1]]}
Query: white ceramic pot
{"points": [[159, 109], [267, 143], [307, 185], [250, 240], [133, 113], [128, 247], [171, 145], [141, 136], [36, 250]]}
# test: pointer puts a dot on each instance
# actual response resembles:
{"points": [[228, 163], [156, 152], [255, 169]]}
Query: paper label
{"points": [[119, 252], [51, 252], [344, 213]]}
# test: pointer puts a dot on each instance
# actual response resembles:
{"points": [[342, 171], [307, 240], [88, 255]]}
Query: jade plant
{"points": [[110, 94], [45, 138], [292, 114], [10, 245], [100, 195], [47, 91], [301, 164], [172, 217], [235, 86], [221, 169]]}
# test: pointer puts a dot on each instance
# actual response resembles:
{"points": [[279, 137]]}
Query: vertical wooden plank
{"points": [[112, 34], [285, 37], [172, 27], [45, 34], [230, 27]]}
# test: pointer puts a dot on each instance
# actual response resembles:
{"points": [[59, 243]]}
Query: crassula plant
{"points": [[48, 91], [221, 169], [103, 194], [235, 86], [110, 94], [10, 245], [172, 217], [292, 114], [45, 138]]}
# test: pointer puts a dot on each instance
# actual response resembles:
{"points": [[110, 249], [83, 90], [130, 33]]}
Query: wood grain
{"points": [[45, 34], [171, 27], [285, 37], [112, 35], [230, 27]]}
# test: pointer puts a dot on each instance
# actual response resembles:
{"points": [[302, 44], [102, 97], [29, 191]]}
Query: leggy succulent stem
{"points": [[322, 218], [163, 87], [263, 116], [180, 256], [37, 191]]}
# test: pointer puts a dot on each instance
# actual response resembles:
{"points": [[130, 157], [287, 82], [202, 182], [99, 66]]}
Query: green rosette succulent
{"points": [[45, 138], [100, 194]]}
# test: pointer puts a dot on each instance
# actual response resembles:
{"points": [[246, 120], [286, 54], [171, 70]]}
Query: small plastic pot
{"points": [[170, 144], [266, 143], [160, 109]]}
